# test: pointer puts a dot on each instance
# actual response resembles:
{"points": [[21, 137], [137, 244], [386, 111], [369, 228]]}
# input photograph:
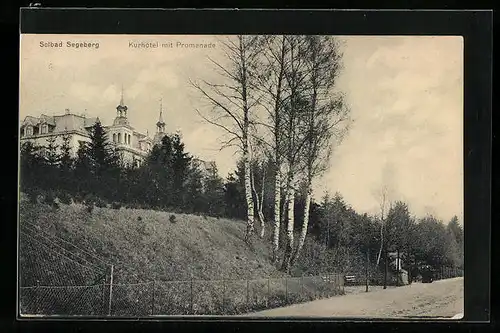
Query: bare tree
{"points": [[326, 118], [272, 85], [258, 164], [233, 101], [385, 195], [383, 204], [294, 106]]}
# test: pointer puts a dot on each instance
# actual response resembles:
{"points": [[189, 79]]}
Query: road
{"points": [[440, 299]]}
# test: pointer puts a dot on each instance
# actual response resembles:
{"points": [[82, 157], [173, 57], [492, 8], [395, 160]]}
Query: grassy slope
{"points": [[145, 245]]}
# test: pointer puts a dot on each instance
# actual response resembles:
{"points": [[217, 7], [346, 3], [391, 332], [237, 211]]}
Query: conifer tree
{"points": [[82, 166], [66, 161], [31, 163]]}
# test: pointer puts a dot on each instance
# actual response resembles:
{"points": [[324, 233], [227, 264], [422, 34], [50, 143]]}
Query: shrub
{"points": [[89, 203], [89, 206], [32, 195], [100, 203], [64, 198], [49, 198], [116, 205], [172, 218], [78, 198]]}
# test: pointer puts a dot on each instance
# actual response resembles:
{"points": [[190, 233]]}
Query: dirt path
{"points": [[439, 299]]}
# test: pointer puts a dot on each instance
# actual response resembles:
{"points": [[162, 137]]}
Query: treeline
{"points": [[169, 179]]}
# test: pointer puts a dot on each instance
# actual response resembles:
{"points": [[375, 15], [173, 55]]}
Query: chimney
{"points": [[66, 111]]}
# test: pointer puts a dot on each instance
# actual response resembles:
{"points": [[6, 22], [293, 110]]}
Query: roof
{"points": [[66, 122], [47, 119], [89, 122]]}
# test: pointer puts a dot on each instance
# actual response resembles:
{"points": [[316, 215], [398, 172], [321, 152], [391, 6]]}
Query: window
{"points": [[44, 129], [119, 138], [29, 130], [114, 137], [129, 136]]}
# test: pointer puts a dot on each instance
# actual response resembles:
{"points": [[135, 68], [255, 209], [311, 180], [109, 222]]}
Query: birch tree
{"points": [[326, 118], [295, 105], [258, 166], [232, 102], [273, 87], [383, 204]]}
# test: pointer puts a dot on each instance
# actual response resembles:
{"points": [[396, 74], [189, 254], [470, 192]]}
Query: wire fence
{"points": [[183, 297], [448, 273], [60, 278]]}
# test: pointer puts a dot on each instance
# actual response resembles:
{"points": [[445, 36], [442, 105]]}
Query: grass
{"points": [[146, 246]]}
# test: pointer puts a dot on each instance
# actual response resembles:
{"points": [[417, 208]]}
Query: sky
{"points": [[405, 94]]}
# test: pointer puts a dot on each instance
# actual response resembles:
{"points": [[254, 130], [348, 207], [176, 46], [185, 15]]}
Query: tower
{"points": [[160, 125], [121, 109], [121, 112]]}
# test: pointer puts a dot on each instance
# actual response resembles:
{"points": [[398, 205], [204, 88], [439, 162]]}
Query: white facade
{"points": [[132, 145]]}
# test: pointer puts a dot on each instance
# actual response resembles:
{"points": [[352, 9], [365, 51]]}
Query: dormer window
{"points": [[44, 129], [29, 130]]}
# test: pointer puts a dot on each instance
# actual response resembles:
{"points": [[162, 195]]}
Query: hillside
{"points": [[144, 245]]}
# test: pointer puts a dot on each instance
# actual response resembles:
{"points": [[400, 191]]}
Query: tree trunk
{"points": [[305, 225], [381, 242], [277, 213], [258, 205], [248, 194], [261, 203], [289, 229]]}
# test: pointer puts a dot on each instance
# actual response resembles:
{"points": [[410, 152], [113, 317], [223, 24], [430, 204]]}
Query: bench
{"points": [[350, 279]]}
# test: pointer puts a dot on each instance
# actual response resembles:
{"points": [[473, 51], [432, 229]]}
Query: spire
{"points": [[121, 98], [160, 119], [160, 125], [121, 109]]}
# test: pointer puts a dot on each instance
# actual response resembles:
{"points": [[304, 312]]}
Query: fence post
{"points": [[223, 294], [110, 290], [191, 295], [397, 268], [37, 299], [341, 280], [103, 302], [385, 269], [268, 290], [286, 290], [367, 263], [153, 299], [302, 284], [248, 291]]}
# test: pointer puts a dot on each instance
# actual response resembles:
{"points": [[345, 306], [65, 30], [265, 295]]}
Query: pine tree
{"points": [[51, 155], [31, 165], [66, 162], [193, 195], [179, 162], [102, 154], [214, 193], [104, 163]]}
